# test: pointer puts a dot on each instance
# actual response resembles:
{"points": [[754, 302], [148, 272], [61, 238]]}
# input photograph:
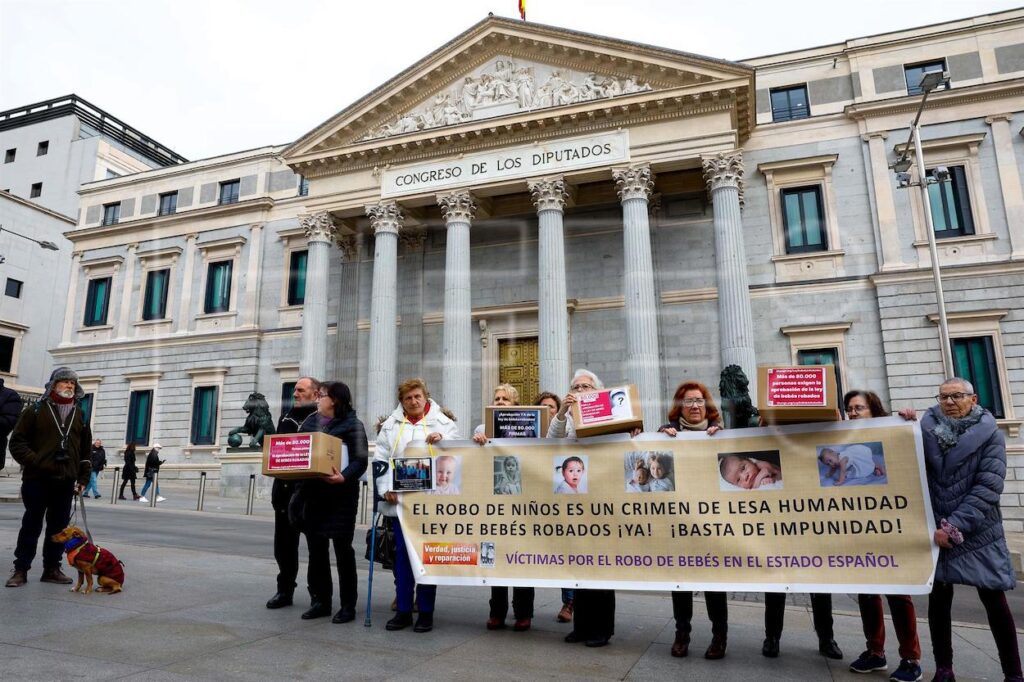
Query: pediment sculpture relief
{"points": [[505, 87]]}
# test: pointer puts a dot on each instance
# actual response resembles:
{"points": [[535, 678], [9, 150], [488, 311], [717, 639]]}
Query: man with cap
{"points": [[153, 463], [51, 441]]}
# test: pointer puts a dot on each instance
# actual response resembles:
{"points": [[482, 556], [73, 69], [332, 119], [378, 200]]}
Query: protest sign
{"points": [[746, 510]]}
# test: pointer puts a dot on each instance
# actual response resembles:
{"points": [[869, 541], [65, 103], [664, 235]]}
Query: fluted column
{"points": [[386, 221], [634, 185], [457, 372], [69, 312], [320, 231], [724, 176], [123, 314], [184, 318], [553, 318]]}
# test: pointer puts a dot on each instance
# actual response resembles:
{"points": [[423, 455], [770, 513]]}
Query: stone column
{"points": [[184, 321], [1009, 181], [320, 231], [885, 208], [123, 314], [252, 276], [386, 221], [634, 186], [724, 176], [69, 312], [457, 382], [549, 197]]}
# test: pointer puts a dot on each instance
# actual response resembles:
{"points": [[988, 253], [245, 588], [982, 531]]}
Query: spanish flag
{"points": [[522, 9]]}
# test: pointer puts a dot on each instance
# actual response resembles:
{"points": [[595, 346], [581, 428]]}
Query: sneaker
{"points": [[944, 675], [909, 671], [161, 499], [96, 497], [868, 662], [142, 499], [17, 579]]}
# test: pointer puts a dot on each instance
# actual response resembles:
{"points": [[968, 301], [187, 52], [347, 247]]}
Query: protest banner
{"points": [[825, 507]]}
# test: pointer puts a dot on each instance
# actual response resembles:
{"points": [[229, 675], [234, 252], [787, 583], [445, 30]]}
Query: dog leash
{"points": [[85, 523]]}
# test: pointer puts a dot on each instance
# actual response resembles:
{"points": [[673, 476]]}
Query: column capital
{"points": [[349, 245], [634, 182], [992, 118], [548, 194], [319, 227], [875, 134], [724, 170], [412, 237], [457, 206], [385, 216]]}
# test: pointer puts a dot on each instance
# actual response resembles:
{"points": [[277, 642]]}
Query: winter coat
{"points": [[561, 427], [131, 469], [291, 422], [397, 432], [10, 410], [36, 441], [965, 485], [329, 509], [153, 463], [99, 459]]}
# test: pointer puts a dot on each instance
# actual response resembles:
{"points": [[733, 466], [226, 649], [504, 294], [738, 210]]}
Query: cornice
{"points": [[36, 207], [909, 103], [948, 272], [133, 226]]}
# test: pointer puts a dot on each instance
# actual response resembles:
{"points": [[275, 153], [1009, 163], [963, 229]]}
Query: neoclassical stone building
{"points": [[526, 200]]}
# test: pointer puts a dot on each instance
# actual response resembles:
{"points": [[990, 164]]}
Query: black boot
{"points": [[280, 599], [424, 623], [770, 648], [345, 615], [829, 649], [401, 621], [318, 609]]}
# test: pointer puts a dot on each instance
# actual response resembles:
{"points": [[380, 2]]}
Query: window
{"points": [[789, 104], [204, 415], [974, 359], [85, 405], [802, 216], [297, 277], [13, 288], [915, 72], [168, 203], [287, 392], [218, 287], [9, 155], [37, 190], [951, 204], [229, 191], [96, 301], [822, 356], [6, 353], [154, 303], [140, 409], [303, 186], [43, 149], [111, 213]]}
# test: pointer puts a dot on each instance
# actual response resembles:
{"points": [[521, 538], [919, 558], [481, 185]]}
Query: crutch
{"points": [[378, 469]]}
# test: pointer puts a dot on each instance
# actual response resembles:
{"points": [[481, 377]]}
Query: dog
{"points": [[91, 560]]}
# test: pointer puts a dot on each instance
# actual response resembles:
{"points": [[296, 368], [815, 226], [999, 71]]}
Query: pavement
{"points": [[193, 609]]}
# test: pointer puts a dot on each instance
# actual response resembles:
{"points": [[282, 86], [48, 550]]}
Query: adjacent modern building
{"points": [[48, 150], [526, 200]]}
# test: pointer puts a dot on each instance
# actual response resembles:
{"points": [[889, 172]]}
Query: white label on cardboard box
{"points": [[290, 452], [796, 387]]}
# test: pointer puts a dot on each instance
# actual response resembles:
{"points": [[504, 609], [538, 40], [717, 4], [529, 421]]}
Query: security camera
{"points": [[903, 179], [941, 174]]}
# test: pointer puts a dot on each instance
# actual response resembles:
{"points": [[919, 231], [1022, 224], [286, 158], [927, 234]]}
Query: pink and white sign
{"points": [[291, 452], [595, 407], [797, 387]]}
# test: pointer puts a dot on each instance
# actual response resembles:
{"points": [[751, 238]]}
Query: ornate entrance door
{"points": [[519, 365]]}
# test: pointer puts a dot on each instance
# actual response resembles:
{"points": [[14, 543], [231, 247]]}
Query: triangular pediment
{"points": [[503, 71]]}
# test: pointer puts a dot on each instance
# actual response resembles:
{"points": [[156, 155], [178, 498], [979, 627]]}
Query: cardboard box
{"points": [[520, 421], [303, 455], [797, 395], [609, 410]]}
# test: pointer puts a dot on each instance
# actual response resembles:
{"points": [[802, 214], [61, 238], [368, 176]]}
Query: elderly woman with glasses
{"points": [[693, 409]]}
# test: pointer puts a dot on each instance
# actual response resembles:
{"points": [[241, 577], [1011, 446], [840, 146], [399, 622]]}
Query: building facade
{"points": [[526, 200]]}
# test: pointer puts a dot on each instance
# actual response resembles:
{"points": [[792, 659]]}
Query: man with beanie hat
{"points": [[51, 441]]}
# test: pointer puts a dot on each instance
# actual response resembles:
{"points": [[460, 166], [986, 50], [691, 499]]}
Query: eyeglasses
{"points": [[955, 397], [690, 402], [576, 388], [857, 409]]}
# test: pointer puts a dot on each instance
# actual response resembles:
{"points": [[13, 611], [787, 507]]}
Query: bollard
{"points": [[252, 494], [202, 491], [113, 489], [156, 486]]}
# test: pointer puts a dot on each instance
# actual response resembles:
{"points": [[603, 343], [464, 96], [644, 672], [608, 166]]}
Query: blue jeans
{"points": [[92, 485], [149, 482], [405, 582], [567, 595]]}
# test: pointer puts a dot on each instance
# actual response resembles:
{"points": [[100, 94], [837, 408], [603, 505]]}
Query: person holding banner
{"points": [[416, 419], [522, 597], [693, 409], [865, 405], [595, 609], [325, 508], [554, 404], [965, 462]]}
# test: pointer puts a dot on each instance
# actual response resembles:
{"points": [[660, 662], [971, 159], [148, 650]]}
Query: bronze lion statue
{"points": [[737, 409], [258, 422]]}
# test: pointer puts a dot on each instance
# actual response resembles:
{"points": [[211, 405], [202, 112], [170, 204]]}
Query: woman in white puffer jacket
{"points": [[417, 419]]}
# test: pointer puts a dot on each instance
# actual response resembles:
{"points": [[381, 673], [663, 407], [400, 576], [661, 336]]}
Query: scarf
{"points": [[949, 429], [699, 426], [64, 405]]}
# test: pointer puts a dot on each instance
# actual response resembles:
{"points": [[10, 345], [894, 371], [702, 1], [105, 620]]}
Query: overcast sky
{"points": [[207, 77]]}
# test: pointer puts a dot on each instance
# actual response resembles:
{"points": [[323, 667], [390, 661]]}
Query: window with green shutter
{"points": [[97, 299], [140, 410], [154, 302], [974, 359], [951, 204], [804, 217], [204, 415], [822, 356], [297, 277], [218, 287]]}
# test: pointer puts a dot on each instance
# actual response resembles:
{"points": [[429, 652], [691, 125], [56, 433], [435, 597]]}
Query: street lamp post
{"points": [[50, 246], [929, 82]]}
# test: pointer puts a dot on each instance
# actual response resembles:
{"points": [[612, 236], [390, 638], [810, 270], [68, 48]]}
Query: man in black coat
{"points": [[286, 538], [10, 410]]}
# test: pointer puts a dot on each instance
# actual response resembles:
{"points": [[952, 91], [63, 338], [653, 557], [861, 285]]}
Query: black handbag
{"points": [[383, 543]]}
